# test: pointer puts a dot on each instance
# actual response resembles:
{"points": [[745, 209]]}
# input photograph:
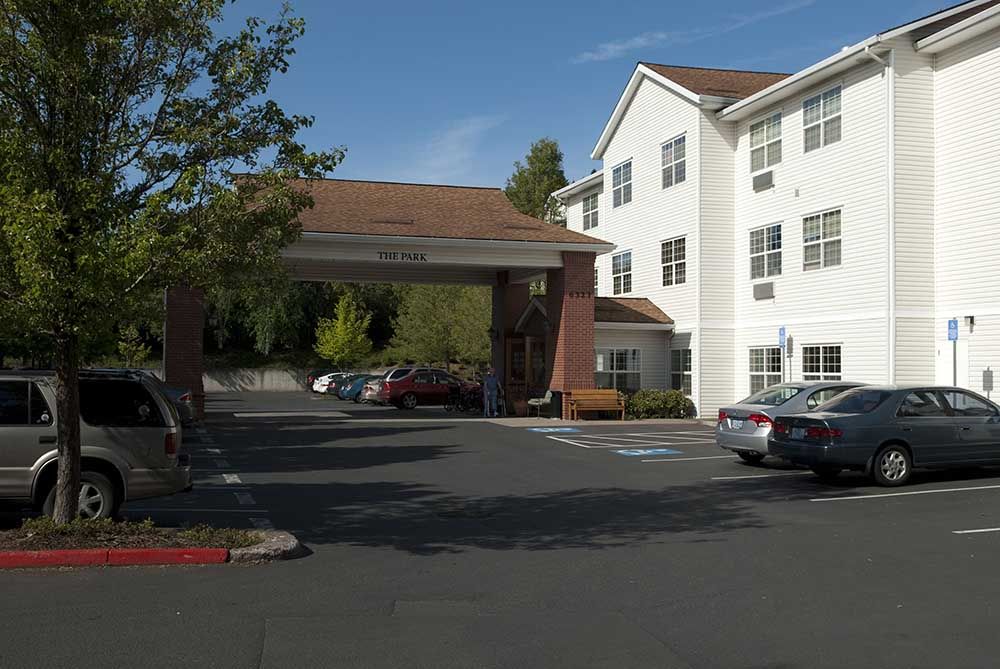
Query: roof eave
{"points": [[971, 27], [580, 185], [597, 246], [614, 325]]}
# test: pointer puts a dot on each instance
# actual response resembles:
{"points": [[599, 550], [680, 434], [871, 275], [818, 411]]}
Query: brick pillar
{"points": [[570, 344], [183, 363], [509, 300]]}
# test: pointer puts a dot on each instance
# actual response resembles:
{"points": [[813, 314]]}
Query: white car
{"points": [[322, 384]]}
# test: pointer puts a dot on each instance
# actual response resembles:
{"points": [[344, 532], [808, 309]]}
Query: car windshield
{"points": [[858, 400], [773, 396]]}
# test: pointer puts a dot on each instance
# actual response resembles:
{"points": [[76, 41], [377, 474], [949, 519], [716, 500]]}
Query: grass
{"points": [[44, 534]]}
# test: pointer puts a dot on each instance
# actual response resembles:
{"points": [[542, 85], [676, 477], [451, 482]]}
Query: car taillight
{"points": [[823, 432], [760, 419], [170, 445], [722, 415], [780, 428], [186, 397]]}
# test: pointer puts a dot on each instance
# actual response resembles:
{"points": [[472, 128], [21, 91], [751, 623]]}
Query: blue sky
{"points": [[454, 92]]}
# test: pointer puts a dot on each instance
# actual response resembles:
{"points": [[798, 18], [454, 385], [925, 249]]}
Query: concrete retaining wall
{"points": [[236, 380]]}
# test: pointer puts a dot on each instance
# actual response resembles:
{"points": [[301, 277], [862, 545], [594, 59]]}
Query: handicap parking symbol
{"points": [[637, 452]]}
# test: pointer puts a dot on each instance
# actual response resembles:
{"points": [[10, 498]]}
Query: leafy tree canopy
{"points": [[442, 324], [531, 185], [343, 340]]}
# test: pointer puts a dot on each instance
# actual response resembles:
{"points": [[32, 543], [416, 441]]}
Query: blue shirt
{"points": [[491, 383]]}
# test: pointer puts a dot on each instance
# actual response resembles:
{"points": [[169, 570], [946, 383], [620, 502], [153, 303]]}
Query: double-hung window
{"points": [[621, 272], [821, 240], [597, 275], [672, 160], [590, 212], [618, 368], [821, 362], [821, 119], [765, 142], [680, 370], [765, 368], [621, 184], [673, 257], [765, 252]]}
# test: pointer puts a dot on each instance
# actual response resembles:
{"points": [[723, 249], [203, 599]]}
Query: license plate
{"points": [[735, 424], [798, 433]]}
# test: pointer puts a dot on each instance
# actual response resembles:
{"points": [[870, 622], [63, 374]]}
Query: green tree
{"points": [[133, 350], [442, 324], [126, 131], [531, 185], [343, 339]]}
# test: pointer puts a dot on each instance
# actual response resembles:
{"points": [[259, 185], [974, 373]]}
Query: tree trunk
{"points": [[67, 354]]}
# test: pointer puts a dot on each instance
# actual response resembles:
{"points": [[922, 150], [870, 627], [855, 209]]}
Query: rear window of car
{"points": [[773, 396], [397, 374], [855, 401], [22, 403], [118, 403]]}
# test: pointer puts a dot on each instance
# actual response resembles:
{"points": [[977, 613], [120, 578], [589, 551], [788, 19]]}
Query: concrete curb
{"points": [[92, 557], [277, 545]]}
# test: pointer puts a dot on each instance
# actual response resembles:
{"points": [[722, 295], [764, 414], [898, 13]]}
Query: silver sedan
{"points": [[745, 427]]}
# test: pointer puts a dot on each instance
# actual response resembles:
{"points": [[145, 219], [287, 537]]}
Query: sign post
{"points": [[953, 338]]}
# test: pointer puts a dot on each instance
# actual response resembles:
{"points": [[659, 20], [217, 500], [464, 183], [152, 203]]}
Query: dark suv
{"points": [[410, 387]]}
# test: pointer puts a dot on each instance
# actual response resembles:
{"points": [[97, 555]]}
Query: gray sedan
{"points": [[886, 431], [745, 427]]}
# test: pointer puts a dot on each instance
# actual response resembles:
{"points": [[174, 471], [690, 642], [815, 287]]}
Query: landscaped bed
{"points": [[41, 534]]}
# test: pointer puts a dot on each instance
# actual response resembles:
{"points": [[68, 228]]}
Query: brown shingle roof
{"points": [[417, 210], [737, 84], [938, 26], [628, 310]]}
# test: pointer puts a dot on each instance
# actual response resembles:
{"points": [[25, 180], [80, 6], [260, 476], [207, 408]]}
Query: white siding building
{"points": [[856, 204]]}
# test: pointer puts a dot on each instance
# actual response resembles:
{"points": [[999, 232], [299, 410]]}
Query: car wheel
{"points": [[752, 457], [892, 465], [408, 401], [97, 497], [826, 473]]}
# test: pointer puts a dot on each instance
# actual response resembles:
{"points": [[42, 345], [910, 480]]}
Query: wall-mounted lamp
{"points": [[970, 321]]}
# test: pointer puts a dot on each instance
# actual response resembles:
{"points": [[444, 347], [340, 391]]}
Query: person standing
{"points": [[491, 389]]}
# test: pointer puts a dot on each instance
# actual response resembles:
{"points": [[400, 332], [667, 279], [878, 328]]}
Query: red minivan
{"points": [[409, 387]]}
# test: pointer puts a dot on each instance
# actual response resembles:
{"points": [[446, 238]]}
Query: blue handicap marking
{"points": [[633, 452], [553, 429]]}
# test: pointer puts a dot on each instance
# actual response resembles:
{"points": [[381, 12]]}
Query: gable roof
{"points": [[382, 208], [735, 84], [629, 310]]}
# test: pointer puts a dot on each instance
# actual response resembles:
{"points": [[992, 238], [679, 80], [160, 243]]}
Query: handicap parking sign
{"points": [[953, 329], [637, 452]]}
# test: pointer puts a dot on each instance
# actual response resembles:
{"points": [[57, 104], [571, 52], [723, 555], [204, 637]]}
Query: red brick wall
{"points": [[183, 363], [570, 303]]}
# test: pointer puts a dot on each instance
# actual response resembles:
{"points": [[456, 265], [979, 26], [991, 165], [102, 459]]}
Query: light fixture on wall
{"points": [[970, 321]]}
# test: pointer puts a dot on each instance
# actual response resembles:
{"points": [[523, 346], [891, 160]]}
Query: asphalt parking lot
{"points": [[444, 542]]}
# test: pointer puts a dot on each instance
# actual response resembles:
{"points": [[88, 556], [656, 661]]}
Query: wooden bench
{"points": [[595, 400]]}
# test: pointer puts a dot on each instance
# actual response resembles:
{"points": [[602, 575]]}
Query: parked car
{"points": [[369, 394], [130, 436], [744, 427], [328, 382], [181, 398], [886, 431], [417, 386], [352, 391], [312, 375]]}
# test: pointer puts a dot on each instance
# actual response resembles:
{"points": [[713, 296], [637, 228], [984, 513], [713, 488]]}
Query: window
{"points": [[921, 404], [821, 240], [680, 370], [618, 368], [765, 252], [672, 160], [821, 120], [967, 404], [823, 396], [765, 142], [621, 183], [118, 403], [821, 363], [773, 396], [590, 212], [858, 400], [14, 403], [621, 272], [597, 274], [765, 368], [672, 256]]}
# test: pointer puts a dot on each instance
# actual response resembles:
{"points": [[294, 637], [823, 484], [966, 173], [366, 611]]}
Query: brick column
{"points": [[183, 332], [570, 304], [509, 300]]}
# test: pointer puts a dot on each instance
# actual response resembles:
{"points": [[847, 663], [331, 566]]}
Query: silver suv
{"points": [[130, 437]]}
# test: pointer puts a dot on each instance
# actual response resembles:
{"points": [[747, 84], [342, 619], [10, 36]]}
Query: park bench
{"points": [[595, 400]]}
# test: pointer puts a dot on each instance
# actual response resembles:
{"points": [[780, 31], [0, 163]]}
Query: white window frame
{"points": [[633, 366], [828, 235], [761, 367], [621, 279], [673, 170], [621, 189], [827, 355], [597, 275], [769, 142], [771, 267], [830, 115], [590, 215], [681, 375], [671, 263]]}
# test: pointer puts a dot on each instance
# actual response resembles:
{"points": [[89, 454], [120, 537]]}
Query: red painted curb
{"points": [[83, 557], [134, 556]]}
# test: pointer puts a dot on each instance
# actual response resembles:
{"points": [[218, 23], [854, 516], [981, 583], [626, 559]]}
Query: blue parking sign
{"points": [[781, 336], [953, 329]]}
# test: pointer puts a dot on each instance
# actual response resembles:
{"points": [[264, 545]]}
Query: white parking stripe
{"points": [[623, 437], [213, 451], [245, 498], [903, 494], [985, 529], [706, 457], [232, 478], [758, 476]]}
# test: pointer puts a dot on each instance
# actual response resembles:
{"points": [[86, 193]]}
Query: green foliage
{"points": [[43, 532], [133, 350], [343, 340], [659, 404], [531, 185], [442, 324]]}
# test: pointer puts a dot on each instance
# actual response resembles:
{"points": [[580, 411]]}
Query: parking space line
{"points": [[232, 478], [904, 494], [620, 437], [245, 498], [704, 457], [213, 451], [985, 529], [758, 476]]}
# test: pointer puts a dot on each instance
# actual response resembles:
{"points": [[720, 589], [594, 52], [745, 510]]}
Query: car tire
{"points": [[826, 473], [95, 487], [750, 456], [892, 465], [408, 401]]}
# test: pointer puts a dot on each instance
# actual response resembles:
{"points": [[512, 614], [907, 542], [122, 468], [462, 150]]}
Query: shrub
{"points": [[659, 404]]}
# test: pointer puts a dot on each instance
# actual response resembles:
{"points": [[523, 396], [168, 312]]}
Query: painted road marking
{"points": [[622, 437], [706, 457], [293, 414], [262, 523], [200, 430], [904, 494], [757, 476], [222, 464], [245, 498], [636, 452], [232, 478], [213, 451], [187, 509], [553, 429], [605, 441], [985, 529]]}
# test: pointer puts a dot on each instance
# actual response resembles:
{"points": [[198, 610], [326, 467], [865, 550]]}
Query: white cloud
{"points": [[618, 48], [450, 156]]}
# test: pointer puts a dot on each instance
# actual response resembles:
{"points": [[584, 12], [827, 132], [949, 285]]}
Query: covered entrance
{"points": [[366, 231]]}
